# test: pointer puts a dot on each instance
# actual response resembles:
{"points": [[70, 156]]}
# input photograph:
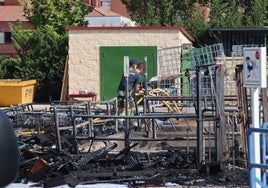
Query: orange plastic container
{"points": [[16, 92]]}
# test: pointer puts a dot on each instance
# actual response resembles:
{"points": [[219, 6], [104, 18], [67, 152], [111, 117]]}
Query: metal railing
{"points": [[262, 166]]}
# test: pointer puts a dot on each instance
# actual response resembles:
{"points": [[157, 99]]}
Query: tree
{"points": [[56, 13], [43, 50], [9, 67], [225, 14], [194, 20], [157, 12], [256, 14], [168, 13], [42, 55], [188, 13]]}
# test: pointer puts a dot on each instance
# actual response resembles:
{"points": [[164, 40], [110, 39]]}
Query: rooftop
{"points": [[99, 11], [180, 28], [11, 13]]}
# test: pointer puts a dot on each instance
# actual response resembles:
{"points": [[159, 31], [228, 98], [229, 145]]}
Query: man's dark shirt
{"points": [[133, 78]]}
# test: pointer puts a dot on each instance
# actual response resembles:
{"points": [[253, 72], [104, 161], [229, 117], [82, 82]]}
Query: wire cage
{"points": [[27, 120], [66, 127], [169, 69], [207, 55], [177, 67], [36, 120]]}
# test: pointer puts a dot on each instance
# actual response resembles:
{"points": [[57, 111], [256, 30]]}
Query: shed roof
{"points": [[180, 28]]}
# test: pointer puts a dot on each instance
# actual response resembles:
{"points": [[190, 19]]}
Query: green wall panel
{"points": [[112, 65], [185, 64]]}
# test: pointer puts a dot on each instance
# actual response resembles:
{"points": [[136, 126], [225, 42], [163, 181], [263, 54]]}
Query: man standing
{"points": [[134, 79]]}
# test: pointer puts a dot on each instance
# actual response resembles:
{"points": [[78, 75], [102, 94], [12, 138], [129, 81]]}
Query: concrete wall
{"points": [[84, 43]]}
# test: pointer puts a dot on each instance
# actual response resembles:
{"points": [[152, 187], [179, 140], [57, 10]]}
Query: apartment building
{"points": [[11, 11]]}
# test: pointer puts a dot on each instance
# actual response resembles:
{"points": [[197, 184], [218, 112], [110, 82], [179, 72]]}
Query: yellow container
{"points": [[16, 92]]}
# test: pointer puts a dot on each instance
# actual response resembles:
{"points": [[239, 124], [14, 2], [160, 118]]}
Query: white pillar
{"points": [[256, 136]]}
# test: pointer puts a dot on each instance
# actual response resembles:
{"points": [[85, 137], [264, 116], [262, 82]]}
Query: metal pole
{"points": [[145, 74], [256, 136], [126, 74], [56, 115], [199, 116], [145, 107], [74, 130], [145, 87]]}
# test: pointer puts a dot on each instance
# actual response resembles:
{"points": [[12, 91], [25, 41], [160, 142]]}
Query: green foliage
{"points": [[223, 14], [157, 12], [238, 14], [43, 50], [256, 16], [42, 55], [56, 13], [9, 68], [195, 24], [167, 13]]}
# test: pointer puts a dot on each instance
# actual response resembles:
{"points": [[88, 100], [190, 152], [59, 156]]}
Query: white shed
{"points": [[91, 47]]}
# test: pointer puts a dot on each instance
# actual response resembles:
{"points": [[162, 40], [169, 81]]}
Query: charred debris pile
{"points": [[77, 162]]}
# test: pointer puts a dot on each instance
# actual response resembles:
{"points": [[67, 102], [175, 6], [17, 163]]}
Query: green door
{"points": [[112, 66], [185, 64]]}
